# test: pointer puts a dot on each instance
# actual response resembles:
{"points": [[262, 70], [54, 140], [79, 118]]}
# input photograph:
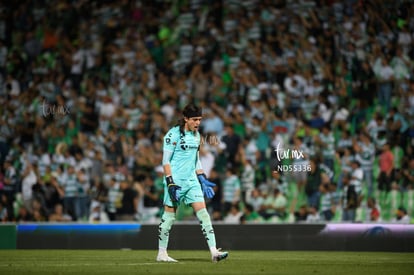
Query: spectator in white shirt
{"points": [[234, 215], [29, 179], [402, 216]]}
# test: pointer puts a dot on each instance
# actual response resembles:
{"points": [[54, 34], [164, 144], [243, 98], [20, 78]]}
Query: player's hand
{"points": [[206, 186], [173, 189]]}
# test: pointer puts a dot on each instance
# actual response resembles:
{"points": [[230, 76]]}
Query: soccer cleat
{"points": [[220, 255], [163, 257]]}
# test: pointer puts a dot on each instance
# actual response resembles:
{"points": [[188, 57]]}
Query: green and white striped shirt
{"points": [[367, 156], [326, 201], [230, 186], [328, 150], [247, 177], [114, 198], [71, 185]]}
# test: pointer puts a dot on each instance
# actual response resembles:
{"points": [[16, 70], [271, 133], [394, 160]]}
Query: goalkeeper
{"points": [[185, 182]]}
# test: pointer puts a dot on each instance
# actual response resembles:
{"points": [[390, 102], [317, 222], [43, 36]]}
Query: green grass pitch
{"points": [[198, 262]]}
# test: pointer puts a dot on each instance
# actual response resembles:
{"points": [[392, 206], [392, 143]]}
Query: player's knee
{"points": [[167, 220], [203, 216]]}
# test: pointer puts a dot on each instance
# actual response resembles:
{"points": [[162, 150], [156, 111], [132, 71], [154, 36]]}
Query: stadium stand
{"points": [[88, 88]]}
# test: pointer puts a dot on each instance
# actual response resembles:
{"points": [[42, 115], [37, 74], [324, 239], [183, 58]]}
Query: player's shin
{"points": [[164, 228], [207, 229]]}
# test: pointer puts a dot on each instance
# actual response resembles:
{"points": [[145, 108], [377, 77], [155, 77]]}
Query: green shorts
{"points": [[190, 192]]}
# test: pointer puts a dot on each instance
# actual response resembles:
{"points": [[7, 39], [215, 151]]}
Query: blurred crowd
{"points": [[308, 107]]}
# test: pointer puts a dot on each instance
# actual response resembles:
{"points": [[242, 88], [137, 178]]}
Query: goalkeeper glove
{"points": [[173, 189], [206, 186]]}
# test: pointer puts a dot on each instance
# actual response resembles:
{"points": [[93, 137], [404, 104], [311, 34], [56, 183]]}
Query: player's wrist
{"points": [[169, 180]]}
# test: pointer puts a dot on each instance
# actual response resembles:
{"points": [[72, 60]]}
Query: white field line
{"points": [[78, 264]]}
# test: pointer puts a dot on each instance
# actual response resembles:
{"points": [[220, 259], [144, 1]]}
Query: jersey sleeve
{"points": [[171, 139]]}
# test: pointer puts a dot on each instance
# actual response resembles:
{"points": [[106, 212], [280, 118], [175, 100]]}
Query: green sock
{"points": [[207, 227], [164, 228]]}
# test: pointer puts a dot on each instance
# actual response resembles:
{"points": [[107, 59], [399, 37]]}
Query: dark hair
{"points": [[249, 207], [402, 209], [181, 123], [356, 162], [190, 110], [346, 176]]}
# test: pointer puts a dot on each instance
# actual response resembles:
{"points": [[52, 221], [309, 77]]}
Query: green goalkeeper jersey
{"points": [[184, 149]]}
